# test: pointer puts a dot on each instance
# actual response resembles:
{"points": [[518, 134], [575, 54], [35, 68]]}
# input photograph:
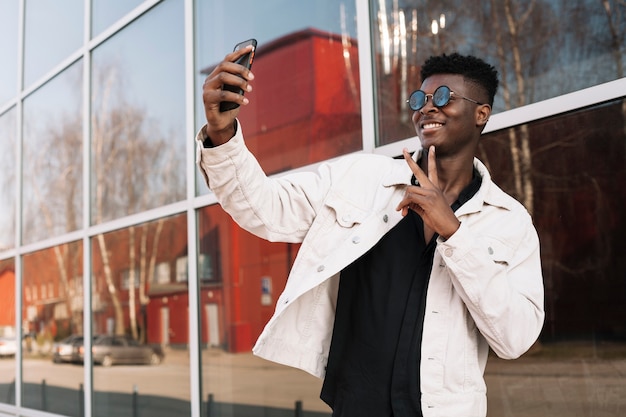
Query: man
{"points": [[409, 271]]}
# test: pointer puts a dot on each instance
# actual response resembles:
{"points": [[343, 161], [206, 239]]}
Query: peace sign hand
{"points": [[427, 199]]}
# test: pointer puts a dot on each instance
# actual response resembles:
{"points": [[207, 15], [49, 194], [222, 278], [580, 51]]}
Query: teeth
{"points": [[431, 125]]}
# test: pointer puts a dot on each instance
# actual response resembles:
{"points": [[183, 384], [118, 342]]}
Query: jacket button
{"points": [[320, 268], [490, 250], [385, 218], [448, 252], [356, 240]]}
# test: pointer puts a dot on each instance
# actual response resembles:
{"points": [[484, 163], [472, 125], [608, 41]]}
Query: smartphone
{"points": [[246, 61]]}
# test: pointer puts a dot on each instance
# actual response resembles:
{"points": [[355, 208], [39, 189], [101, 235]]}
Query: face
{"points": [[455, 127]]}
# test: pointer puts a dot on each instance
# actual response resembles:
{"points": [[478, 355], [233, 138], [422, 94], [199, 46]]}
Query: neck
{"points": [[453, 174]]}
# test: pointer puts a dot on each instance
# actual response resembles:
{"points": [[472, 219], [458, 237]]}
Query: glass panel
{"points": [[247, 276], [52, 157], [306, 105], [138, 115], [8, 143], [140, 314], [52, 312], [53, 30], [106, 12], [558, 47], [8, 49], [8, 331], [575, 190]]}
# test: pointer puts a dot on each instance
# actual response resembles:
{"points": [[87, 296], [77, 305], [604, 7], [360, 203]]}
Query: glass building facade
{"points": [[107, 227]]}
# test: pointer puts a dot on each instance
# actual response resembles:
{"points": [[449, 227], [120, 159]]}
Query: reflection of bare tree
{"points": [[534, 44], [518, 139], [135, 169], [54, 195]]}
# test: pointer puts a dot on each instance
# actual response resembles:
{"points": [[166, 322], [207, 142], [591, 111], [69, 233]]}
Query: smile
{"points": [[431, 125]]}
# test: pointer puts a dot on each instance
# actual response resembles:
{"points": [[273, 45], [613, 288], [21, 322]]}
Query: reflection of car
{"points": [[109, 350], [8, 346], [67, 349]]}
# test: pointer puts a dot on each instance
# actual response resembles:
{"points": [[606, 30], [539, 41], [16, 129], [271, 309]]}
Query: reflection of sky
{"points": [[149, 58], [8, 50], [106, 12], [53, 30]]}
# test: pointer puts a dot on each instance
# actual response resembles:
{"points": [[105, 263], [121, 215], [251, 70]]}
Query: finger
{"points": [[234, 56], [411, 199], [432, 167], [417, 171]]}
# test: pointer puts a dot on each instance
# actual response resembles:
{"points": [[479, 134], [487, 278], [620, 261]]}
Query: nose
{"points": [[428, 107]]}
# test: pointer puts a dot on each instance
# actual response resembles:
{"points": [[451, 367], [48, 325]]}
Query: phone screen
{"points": [[246, 61]]}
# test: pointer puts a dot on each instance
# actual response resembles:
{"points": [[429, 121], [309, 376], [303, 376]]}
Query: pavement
{"points": [[564, 380]]}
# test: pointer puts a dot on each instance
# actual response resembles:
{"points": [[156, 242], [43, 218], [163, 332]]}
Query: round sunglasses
{"points": [[440, 98]]}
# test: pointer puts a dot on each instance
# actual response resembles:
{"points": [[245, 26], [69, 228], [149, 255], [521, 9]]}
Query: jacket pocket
{"points": [[347, 214], [498, 251]]}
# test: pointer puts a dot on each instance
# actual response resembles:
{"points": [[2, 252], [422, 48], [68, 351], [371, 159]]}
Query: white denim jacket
{"points": [[486, 285]]}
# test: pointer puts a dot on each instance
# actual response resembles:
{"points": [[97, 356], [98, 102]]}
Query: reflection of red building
{"points": [[305, 105], [7, 289]]}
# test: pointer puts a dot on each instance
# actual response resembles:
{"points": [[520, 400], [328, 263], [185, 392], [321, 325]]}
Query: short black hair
{"points": [[471, 68]]}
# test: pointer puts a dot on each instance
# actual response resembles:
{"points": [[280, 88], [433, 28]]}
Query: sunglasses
{"points": [[440, 98]]}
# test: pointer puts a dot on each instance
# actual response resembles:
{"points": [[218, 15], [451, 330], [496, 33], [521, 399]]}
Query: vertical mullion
{"points": [[368, 116], [18, 203], [195, 360], [87, 282]]}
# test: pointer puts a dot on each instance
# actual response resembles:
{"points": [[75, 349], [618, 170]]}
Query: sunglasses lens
{"points": [[417, 100], [441, 97]]}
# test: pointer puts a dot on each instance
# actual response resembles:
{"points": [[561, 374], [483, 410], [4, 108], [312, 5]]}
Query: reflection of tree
{"points": [[532, 43], [135, 169], [53, 195], [7, 179]]}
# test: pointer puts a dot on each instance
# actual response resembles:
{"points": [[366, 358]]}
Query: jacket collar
{"points": [[489, 193]]}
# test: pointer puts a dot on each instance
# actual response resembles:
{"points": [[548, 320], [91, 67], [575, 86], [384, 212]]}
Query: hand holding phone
{"points": [[246, 61]]}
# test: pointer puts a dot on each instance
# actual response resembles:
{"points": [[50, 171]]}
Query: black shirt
{"points": [[374, 359]]}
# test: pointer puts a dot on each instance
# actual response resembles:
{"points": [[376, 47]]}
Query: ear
{"points": [[482, 115]]}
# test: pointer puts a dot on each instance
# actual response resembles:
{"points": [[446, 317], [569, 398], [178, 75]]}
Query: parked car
{"points": [[67, 350], [110, 350], [8, 346]]}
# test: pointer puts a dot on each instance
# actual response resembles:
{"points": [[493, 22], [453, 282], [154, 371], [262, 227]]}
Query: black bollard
{"points": [[81, 400], [44, 400], [298, 408], [135, 401], [209, 405]]}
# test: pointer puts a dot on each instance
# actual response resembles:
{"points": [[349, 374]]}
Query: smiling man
{"points": [[409, 271]]}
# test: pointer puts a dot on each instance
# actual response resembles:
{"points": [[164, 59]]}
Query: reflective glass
{"points": [[8, 49], [53, 30], [557, 48], [138, 115], [306, 104], [140, 315], [8, 332], [52, 158], [576, 191], [250, 273], [106, 12], [52, 321], [8, 143]]}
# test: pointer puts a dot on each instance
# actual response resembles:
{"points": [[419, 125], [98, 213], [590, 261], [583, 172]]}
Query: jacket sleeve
{"points": [[276, 209], [497, 272]]}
